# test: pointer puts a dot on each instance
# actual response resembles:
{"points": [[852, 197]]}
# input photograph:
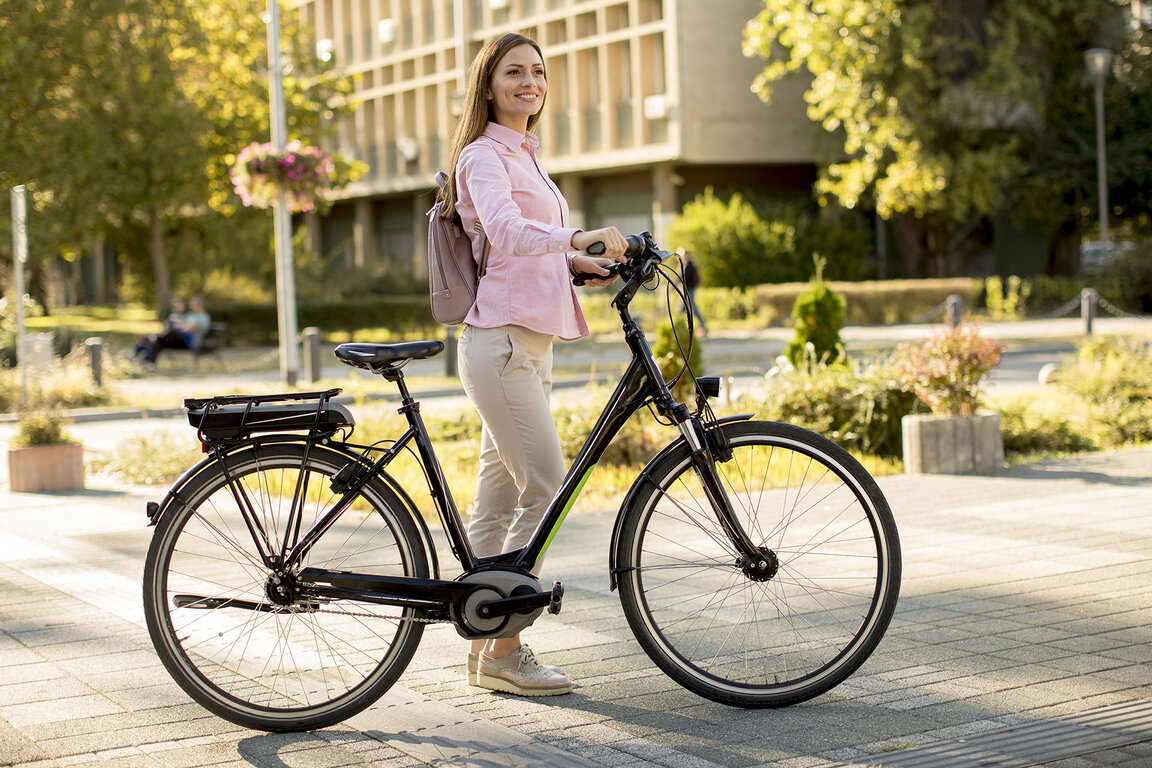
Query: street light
{"points": [[281, 213], [1098, 62]]}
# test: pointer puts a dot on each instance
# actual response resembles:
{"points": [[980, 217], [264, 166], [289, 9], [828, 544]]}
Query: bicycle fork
{"points": [[710, 448]]}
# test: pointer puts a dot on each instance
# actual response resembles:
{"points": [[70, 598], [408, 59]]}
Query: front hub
{"points": [[762, 567]]}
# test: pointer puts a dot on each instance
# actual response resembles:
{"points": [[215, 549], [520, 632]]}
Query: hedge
{"points": [[883, 302], [878, 302], [384, 318]]}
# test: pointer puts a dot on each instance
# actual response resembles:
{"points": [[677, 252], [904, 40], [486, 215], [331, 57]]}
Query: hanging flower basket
{"points": [[261, 173]]}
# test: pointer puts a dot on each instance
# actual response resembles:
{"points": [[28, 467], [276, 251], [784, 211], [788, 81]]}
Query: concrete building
{"points": [[648, 104]]}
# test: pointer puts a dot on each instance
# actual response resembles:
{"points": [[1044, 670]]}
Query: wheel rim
{"points": [[290, 656], [799, 623]]}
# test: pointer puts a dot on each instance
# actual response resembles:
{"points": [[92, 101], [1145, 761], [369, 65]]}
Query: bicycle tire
{"points": [[760, 642], [219, 633]]}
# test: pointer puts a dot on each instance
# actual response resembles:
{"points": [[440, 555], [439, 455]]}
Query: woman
{"points": [[524, 300]]}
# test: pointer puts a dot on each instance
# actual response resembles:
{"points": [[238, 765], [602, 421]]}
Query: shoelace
{"points": [[526, 659]]}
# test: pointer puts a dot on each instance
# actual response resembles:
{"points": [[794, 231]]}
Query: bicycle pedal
{"points": [[557, 597]]}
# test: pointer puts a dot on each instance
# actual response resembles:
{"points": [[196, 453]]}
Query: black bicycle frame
{"points": [[642, 382]]}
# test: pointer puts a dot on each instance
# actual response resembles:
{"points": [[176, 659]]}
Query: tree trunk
{"points": [[908, 232], [160, 274]]}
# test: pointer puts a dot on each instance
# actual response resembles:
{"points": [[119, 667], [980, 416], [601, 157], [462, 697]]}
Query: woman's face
{"points": [[517, 87]]}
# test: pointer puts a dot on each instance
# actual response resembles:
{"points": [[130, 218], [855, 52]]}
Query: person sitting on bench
{"points": [[184, 331]]}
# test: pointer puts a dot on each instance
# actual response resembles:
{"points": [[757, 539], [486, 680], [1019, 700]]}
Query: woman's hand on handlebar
{"points": [[592, 270], [614, 243]]}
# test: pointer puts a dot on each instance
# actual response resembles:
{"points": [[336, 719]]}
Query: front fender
{"points": [[638, 486]]}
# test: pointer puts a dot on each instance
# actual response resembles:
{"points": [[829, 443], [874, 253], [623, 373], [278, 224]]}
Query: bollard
{"points": [[955, 307], [450, 351], [312, 366], [95, 347], [1088, 309]]}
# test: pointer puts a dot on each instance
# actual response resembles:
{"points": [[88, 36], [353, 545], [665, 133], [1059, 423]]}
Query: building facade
{"points": [[649, 103]]}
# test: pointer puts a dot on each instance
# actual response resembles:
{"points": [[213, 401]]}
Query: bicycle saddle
{"points": [[377, 357]]}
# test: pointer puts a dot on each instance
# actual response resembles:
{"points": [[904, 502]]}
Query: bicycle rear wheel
{"points": [[238, 638], [755, 638]]}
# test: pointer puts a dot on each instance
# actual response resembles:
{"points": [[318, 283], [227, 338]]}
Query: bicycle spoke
{"points": [[766, 635]]}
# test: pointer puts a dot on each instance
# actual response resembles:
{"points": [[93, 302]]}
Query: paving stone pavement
{"points": [[1022, 638]]}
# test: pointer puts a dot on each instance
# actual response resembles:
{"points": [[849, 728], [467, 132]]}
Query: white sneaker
{"points": [[520, 673], [474, 662]]}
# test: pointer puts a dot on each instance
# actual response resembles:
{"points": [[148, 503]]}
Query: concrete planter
{"points": [[953, 445], [46, 468]]}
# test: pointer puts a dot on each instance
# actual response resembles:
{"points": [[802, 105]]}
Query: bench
{"points": [[212, 342]]}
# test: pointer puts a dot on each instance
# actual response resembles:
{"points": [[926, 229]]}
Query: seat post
{"points": [[393, 374]]}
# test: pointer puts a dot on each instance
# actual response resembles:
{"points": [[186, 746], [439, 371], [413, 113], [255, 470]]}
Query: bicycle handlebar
{"points": [[643, 258]]}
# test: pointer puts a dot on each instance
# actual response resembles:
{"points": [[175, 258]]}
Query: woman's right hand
{"points": [[614, 243]]}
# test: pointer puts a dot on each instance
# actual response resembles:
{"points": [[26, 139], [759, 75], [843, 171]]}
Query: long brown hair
{"points": [[478, 108]]}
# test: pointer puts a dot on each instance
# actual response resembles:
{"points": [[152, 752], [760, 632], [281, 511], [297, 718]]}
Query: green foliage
{"points": [[733, 246], [123, 114], [1131, 278], [950, 112], [151, 459], [1031, 429], [1113, 379], [818, 316], [861, 411], [40, 428], [947, 370], [633, 447], [672, 341], [1006, 300], [391, 316]]}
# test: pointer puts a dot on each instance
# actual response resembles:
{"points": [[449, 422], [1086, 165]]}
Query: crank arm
{"points": [[523, 603]]}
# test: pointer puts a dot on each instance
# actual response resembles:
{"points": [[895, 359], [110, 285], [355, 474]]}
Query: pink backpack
{"points": [[452, 270]]}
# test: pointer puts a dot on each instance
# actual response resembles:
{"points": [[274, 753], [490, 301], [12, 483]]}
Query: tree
{"points": [[946, 108], [127, 114]]}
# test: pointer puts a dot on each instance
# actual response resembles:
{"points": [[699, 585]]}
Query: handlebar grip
{"points": [[596, 249], [584, 277]]}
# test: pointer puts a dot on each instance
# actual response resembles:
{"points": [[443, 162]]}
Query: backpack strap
{"points": [[442, 182]]}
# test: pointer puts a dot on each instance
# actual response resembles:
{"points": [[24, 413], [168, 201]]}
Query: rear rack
{"points": [[235, 418]]}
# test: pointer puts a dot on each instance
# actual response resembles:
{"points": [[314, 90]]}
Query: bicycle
{"points": [[290, 577]]}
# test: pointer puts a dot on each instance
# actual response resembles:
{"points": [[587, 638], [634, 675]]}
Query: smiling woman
{"points": [[525, 299]]}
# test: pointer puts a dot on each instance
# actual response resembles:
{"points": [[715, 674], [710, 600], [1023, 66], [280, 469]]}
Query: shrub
{"points": [[733, 245], [672, 341], [947, 370], [632, 447], [1006, 300], [1029, 429], [819, 316], [40, 428], [157, 459], [861, 411], [397, 316], [1113, 378]]}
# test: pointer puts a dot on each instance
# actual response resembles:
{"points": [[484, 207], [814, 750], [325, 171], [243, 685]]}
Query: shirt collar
{"points": [[510, 138]]}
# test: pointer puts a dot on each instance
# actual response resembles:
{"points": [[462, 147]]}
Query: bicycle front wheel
{"points": [[741, 633], [239, 637]]}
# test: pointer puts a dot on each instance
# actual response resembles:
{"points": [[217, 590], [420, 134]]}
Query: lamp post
{"points": [[1098, 62], [281, 213]]}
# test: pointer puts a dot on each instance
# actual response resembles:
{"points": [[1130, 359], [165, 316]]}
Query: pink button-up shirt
{"points": [[500, 182]]}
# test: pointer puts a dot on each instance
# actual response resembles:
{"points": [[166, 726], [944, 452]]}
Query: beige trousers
{"points": [[507, 374]]}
